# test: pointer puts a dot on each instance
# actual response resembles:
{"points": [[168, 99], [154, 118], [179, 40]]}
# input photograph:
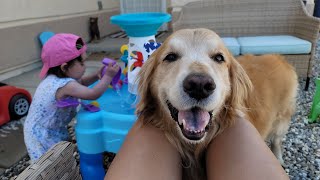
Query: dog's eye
{"points": [[218, 57], [171, 57]]}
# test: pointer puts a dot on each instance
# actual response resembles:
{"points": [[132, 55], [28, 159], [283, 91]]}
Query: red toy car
{"points": [[14, 103]]}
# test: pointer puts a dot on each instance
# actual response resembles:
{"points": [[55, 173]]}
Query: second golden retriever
{"points": [[192, 88]]}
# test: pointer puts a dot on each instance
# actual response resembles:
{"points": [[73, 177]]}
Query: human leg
{"points": [[240, 153], [34, 147], [145, 154]]}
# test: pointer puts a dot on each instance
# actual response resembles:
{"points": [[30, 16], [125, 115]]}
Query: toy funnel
{"points": [[141, 29]]}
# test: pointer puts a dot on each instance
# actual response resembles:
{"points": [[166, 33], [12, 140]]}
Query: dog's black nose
{"points": [[198, 86]]}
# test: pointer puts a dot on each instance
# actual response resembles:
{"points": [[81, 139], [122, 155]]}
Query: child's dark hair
{"points": [[58, 71]]}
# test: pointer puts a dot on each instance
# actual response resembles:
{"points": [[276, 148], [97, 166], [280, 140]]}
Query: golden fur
{"points": [[261, 89]]}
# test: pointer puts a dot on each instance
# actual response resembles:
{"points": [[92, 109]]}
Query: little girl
{"points": [[63, 58]]}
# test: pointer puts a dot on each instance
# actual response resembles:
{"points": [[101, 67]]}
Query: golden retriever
{"points": [[192, 88]]}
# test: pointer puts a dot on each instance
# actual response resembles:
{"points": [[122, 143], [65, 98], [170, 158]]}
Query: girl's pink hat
{"points": [[60, 49]]}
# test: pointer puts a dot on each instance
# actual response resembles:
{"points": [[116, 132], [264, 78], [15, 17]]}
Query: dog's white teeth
{"points": [[182, 122], [194, 131]]}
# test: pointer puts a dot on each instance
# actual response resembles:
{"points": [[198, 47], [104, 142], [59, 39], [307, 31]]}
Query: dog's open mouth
{"points": [[193, 122]]}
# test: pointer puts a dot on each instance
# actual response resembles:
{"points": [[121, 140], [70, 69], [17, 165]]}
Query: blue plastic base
{"points": [[105, 130], [91, 166]]}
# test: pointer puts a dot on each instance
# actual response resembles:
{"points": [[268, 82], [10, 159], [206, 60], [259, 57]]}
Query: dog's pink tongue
{"points": [[194, 119]]}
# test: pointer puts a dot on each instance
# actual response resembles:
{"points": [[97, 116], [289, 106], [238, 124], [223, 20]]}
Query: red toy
{"points": [[14, 103], [138, 62]]}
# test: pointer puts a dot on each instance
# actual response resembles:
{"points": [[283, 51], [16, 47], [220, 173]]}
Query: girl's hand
{"points": [[112, 70]]}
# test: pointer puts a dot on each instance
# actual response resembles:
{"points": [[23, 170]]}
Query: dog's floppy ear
{"points": [[147, 102], [241, 85]]}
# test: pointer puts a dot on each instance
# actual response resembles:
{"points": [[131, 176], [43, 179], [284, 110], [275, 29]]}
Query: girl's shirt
{"points": [[43, 111]]}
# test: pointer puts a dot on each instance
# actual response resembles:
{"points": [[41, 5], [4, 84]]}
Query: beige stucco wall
{"points": [[13, 10], [21, 21]]}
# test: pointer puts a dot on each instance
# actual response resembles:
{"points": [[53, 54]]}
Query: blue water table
{"points": [[105, 130]]}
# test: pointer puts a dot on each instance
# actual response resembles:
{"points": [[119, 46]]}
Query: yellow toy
{"points": [[124, 52], [95, 103]]}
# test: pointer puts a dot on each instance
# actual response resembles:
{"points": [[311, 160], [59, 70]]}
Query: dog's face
{"points": [[190, 79]]}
